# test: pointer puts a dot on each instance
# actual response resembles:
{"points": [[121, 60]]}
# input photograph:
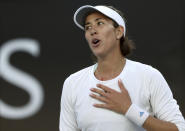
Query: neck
{"points": [[109, 68]]}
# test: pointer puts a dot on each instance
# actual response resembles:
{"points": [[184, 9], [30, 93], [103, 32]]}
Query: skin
{"points": [[100, 27]]}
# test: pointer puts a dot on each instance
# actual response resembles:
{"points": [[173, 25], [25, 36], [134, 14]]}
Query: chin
{"points": [[98, 54]]}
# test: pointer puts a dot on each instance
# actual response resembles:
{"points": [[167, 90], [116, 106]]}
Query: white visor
{"points": [[81, 13]]}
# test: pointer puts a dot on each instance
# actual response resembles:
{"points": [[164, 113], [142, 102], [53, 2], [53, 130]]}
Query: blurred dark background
{"points": [[157, 27]]}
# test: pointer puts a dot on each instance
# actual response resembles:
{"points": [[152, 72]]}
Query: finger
{"points": [[100, 98], [102, 93], [121, 85], [105, 88], [101, 106]]}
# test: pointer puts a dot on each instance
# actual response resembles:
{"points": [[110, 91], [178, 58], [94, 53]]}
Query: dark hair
{"points": [[126, 45]]}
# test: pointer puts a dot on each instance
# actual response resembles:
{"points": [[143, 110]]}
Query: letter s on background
{"points": [[21, 79]]}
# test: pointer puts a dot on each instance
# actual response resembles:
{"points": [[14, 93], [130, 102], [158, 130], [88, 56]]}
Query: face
{"points": [[101, 35]]}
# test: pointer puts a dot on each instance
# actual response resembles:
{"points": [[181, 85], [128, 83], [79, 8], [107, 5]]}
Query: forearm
{"points": [[153, 124], [150, 123]]}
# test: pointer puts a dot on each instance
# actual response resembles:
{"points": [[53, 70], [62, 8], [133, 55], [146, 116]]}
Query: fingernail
{"points": [[119, 80]]}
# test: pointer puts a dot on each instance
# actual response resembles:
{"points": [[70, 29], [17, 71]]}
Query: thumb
{"points": [[121, 85]]}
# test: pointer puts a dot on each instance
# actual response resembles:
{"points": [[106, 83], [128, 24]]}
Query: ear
{"points": [[119, 32]]}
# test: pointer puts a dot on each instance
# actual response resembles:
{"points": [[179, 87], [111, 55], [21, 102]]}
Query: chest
{"points": [[89, 116]]}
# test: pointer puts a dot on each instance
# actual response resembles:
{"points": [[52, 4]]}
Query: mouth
{"points": [[95, 42]]}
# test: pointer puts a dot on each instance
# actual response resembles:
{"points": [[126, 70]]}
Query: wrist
{"points": [[136, 114], [125, 109]]}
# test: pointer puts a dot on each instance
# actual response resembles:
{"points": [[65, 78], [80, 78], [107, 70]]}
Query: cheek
{"points": [[87, 37], [110, 35]]}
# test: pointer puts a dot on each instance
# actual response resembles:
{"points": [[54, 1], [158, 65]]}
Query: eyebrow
{"points": [[95, 20]]}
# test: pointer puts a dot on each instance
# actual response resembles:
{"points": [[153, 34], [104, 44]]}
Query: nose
{"points": [[93, 32]]}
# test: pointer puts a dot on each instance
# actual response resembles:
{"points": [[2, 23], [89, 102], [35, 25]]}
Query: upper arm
{"points": [[67, 114], [163, 104]]}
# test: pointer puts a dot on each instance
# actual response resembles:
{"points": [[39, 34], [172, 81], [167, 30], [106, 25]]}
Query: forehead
{"points": [[94, 15]]}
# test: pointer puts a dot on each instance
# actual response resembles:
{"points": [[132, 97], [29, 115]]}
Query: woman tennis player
{"points": [[115, 94]]}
